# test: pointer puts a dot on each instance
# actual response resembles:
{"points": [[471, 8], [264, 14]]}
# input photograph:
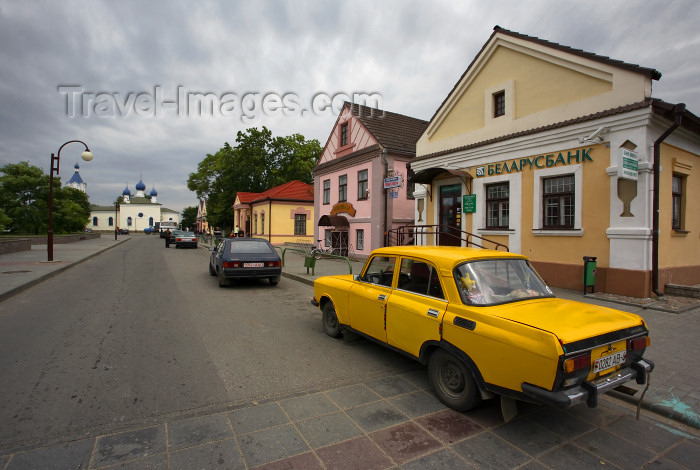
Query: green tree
{"points": [[24, 194], [23, 197], [256, 163], [71, 210], [189, 217]]}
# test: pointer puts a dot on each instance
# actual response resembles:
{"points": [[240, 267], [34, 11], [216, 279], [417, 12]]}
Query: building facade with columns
{"points": [[560, 153]]}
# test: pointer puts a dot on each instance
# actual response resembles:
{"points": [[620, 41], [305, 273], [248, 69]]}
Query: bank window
{"points": [[558, 202], [499, 104], [110, 222], [326, 191], [497, 205], [262, 223], [327, 235], [362, 184], [360, 241], [94, 221], [344, 134], [299, 224], [342, 188], [255, 223], [677, 198]]}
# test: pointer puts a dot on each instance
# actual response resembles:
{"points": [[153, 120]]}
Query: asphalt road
{"points": [[142, 333]]}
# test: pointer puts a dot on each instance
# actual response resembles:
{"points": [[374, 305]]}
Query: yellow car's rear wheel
{"points": [[453, 382]]}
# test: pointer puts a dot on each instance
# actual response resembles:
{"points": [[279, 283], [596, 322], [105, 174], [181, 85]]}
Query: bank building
{"points": [[559, 153]]}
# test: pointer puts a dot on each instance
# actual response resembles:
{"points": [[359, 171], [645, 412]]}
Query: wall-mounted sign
{"points": [[469, 203], [533, 163], [392, 182], [393, 194], [628, 164], [343, 207]]}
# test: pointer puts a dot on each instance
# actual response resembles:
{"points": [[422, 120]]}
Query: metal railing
{"points": [[421, 235], [309, 259]]}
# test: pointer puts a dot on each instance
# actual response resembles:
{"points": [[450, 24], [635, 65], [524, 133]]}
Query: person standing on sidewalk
{"points": [[167, 238]]}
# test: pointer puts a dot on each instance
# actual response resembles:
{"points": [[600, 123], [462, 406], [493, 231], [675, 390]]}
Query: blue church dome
{"points": [[154, 192], [126, 192], [140, 186]]}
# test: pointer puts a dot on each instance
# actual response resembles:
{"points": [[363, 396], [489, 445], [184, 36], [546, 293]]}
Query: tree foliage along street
{"points": [[24, 197], [256, 163], [189, 217]]}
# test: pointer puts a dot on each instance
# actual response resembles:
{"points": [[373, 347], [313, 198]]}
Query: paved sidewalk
{"points": [[393, 421], [23, 269]]}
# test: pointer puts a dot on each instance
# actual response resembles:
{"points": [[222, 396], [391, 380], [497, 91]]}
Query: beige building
{"points": [[555, 152]]}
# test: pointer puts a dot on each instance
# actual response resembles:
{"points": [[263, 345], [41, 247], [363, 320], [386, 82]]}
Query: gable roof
{"points": [[393, 131], [290, 191], [649, 72]]}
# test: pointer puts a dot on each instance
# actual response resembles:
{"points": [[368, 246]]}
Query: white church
{"points": [[134, 212]]}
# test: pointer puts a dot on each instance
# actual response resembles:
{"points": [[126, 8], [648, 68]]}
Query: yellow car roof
{"points": [[445, 255]]}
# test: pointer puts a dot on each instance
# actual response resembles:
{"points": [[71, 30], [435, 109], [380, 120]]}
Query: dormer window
{"points": [[344, 134], [499, 104]]}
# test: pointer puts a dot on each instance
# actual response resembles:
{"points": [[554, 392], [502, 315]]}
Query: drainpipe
{"points": [[386, 198], [677, 117]]}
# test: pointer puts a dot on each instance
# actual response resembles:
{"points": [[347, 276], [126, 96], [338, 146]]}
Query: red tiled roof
{"points": [[291, 191], [247, 197]]}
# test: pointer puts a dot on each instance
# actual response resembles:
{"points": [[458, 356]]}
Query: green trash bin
{"points": [[309, 262], [589, 270]]}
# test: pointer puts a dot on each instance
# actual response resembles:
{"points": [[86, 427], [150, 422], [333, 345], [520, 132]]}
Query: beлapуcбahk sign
{"points": [[541, 161]]}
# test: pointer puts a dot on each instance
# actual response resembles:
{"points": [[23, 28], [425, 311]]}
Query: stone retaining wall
{"points": [[13, 245]]}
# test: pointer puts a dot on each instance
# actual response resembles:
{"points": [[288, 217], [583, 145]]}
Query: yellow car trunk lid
{"points": [[570, 321]]}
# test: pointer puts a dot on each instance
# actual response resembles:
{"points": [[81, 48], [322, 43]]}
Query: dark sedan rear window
{"points": [[250, 246]]}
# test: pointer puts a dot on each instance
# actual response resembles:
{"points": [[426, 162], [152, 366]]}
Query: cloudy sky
{"points": [[125, 77]]}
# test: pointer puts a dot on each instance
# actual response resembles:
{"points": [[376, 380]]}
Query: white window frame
{"points": [[537, 209], [509, 89]]}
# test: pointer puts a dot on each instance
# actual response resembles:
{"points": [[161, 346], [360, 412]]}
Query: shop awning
{"points": [[429, 174], [336, 221]]}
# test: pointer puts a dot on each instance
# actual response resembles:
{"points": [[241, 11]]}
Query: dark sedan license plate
{"points": [[608, 362], [253, 265]]}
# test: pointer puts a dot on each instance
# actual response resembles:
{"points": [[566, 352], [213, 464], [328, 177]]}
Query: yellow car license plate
{"points": [[608, 362]]}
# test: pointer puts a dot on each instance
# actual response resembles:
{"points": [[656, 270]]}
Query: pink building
{"points": [[360, 182]]}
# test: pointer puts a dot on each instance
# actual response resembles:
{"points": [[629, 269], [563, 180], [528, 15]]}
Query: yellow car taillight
{"points": [[577, 363]]}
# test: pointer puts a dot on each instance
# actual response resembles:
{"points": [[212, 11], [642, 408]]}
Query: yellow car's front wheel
{"points": [[453, 382], [330, 321]]}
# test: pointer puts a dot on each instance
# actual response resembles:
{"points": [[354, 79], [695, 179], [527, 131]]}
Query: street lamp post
{"points": [[55, 160]]}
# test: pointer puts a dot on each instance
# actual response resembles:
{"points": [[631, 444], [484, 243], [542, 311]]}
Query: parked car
{"points": [[183, 239], [149, 230], [170, 239], [484, 322], [123, 231], [245, 258]]}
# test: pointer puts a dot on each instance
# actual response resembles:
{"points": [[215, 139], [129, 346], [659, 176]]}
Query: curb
{"points": [[12, 292], [656, 409]]}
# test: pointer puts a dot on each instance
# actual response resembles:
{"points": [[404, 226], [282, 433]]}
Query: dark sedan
{"points": [[245, 258]]}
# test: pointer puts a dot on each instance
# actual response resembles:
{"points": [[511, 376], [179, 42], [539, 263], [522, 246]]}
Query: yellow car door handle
{"points": [[433, 313], [381, 297]]}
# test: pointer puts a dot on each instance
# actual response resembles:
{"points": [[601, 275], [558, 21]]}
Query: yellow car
{"points": [[485, 323]]}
